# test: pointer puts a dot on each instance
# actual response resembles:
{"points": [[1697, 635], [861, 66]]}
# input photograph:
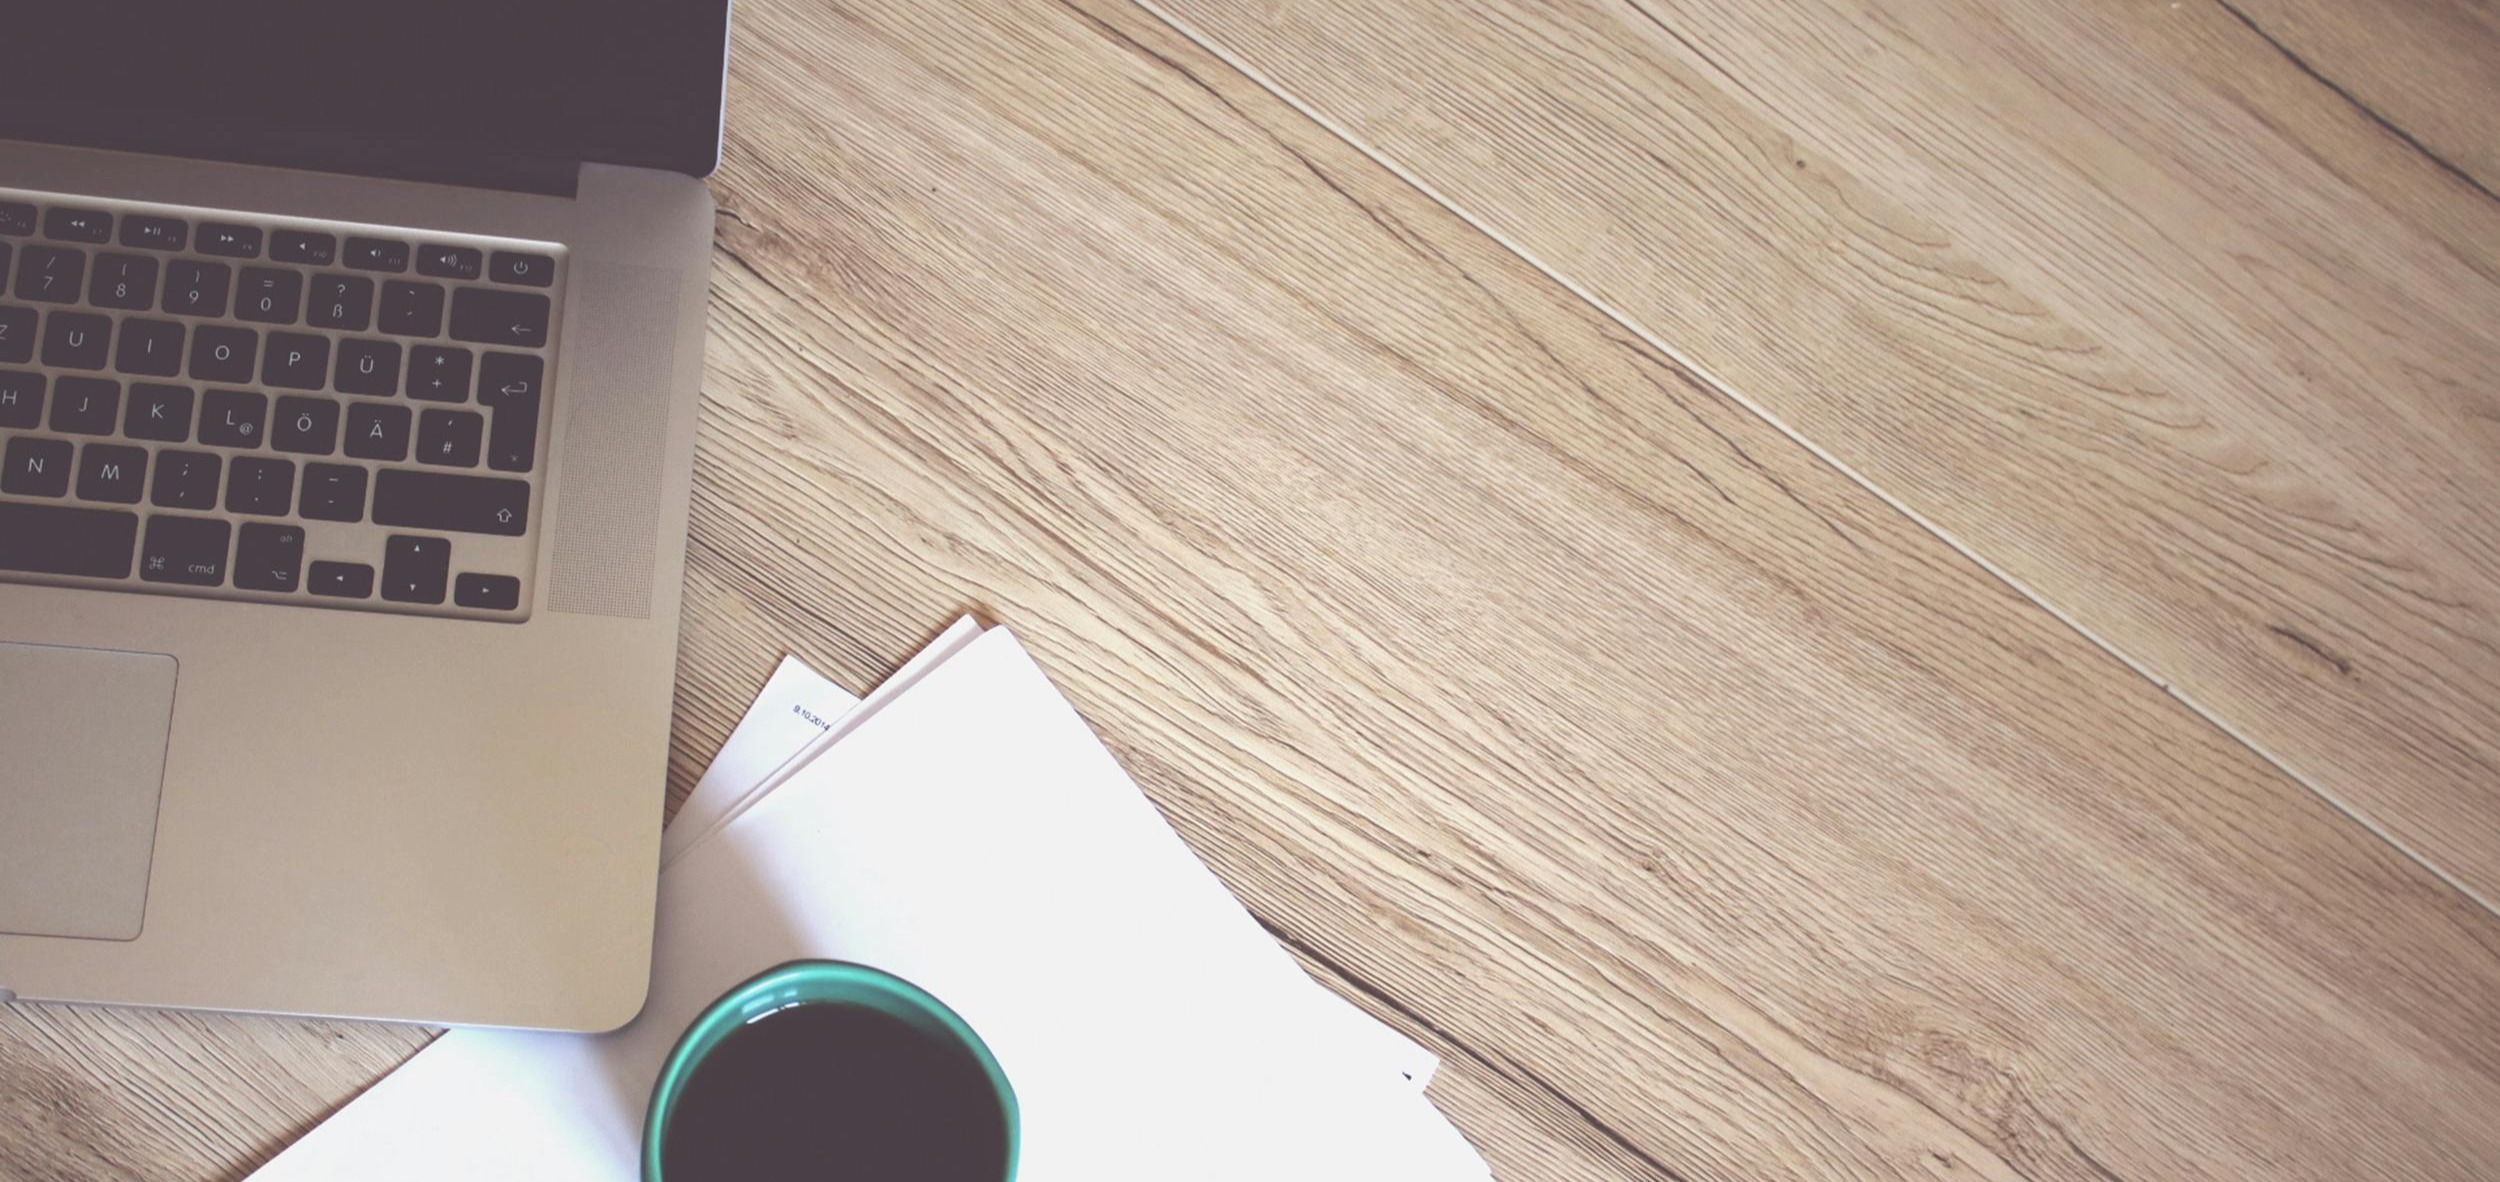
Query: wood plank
{"points": [[2118, 296], [1712, 819]]}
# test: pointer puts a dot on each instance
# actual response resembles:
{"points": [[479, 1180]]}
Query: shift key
{"points": [[448, 501]]}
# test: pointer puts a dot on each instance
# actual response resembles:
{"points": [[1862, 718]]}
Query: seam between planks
{"points": [[1729, 391]]}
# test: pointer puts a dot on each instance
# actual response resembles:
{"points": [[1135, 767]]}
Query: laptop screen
{"points": [[449, 90]]}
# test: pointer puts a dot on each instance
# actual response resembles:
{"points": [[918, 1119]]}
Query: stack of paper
{"points": [[963, 828]]}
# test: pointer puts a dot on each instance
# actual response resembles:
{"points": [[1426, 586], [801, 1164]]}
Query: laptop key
{"points": [[229, 240], [50, 273], [260, 486], [186, 550], [500, 593], [150, 347], [110, 472], [233, 418], [450, 438], [437, 374], [367, 367], [412, 309], [125, 281], [75, 340], [17, 335], [377, 254], [17, 218], [21, 398], [148, 232], [340, 301], [449, 262], [341, 580], [534, 270], [223, 353], [307, 425], [185, 480], [296, 361], [450, 502], [194, 288], [269, 557], [158, 414], [269, 295], [333, 492], [61, 540], [85, 406], [377, 431], [297, 246], [414, 569], [35, 467], [509, 318], [71, 224], [512, 443]]}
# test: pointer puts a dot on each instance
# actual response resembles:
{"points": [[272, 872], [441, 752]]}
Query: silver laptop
{"points": [[349, 362]]}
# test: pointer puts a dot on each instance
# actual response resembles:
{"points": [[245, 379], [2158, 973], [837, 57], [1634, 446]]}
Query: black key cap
{"points": [[230, 240], [333, 492], [233, 418], [195, 288], [449, 262], [185, 480], [187, 550], [50, 273], [412, 309], [35, 467], [5, 249], [77, 225], [125, 281], [536, 270], [159, 414], [268, 295], [501, 593], [76, 340], [438, 374], [414, 569], [109, 472], [268, 557], [17, 334], [340, 301], [17, 218], [449, 437], [155, 233], [150, 347], [59, 540], [502, 376], [368, 367], [295, 361], [308, 425], [260, 486], [512, 444], [341, 580], [296, 246], [223, 353], [377, 254], [419, 499], [377, 431], [511, 318], [21, 398], [87, 406]]}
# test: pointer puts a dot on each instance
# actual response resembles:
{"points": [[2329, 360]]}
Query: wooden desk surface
{"points": [[1801, 591]]}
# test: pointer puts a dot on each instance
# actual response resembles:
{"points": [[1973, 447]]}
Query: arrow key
{"points": [[500, 593]]}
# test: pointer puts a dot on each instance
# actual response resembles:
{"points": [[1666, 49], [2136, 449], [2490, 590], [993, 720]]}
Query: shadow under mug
{"points": [[815, 982]]}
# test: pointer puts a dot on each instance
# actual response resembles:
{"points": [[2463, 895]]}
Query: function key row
{"points": [[63, 223]]}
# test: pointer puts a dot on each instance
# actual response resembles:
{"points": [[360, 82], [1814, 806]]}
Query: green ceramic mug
{"points": [[827, 983]]}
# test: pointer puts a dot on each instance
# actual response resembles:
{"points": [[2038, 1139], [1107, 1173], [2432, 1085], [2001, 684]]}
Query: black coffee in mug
{"points": [[831, 1091]]}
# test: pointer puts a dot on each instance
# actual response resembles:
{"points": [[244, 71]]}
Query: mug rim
{"points": [[810, 982]]}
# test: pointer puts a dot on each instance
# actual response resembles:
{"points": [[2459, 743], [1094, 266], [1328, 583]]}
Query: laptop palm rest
{"points": [[82, 759]]}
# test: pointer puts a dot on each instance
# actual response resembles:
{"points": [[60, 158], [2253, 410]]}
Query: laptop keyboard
{"points": [[267, 408]]}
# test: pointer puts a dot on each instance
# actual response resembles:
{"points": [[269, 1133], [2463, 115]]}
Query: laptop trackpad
{"points": [[83, 736]]}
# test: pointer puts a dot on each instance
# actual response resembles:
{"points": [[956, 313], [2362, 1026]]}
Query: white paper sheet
{"points": [[1143, 941]]}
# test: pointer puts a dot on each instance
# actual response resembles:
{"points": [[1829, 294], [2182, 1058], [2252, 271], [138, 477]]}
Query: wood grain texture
{"points": [[2133, 300], [1710, 817]]}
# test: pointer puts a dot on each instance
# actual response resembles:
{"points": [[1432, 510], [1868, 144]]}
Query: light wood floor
{"points": [[1805, 591]]}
